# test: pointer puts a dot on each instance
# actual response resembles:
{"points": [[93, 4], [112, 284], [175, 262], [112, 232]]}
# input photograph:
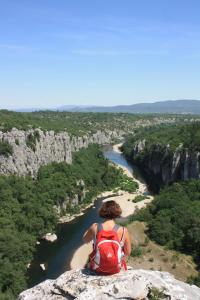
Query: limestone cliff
{"points": [[35, 148], [163, 166], [131, 284]]}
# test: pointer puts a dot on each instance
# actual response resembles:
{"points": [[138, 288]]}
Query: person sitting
{"points": [[111, 242]]}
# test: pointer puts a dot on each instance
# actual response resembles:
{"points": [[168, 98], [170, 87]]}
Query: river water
{"points": [[57, 256]]}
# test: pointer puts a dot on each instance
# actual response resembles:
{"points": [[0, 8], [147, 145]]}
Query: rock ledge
{"points": [[131, 284]]}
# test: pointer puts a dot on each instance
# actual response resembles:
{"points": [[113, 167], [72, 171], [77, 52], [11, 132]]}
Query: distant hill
{"points": [[169, 106]]}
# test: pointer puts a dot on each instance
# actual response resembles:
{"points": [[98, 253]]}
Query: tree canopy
{"points": [[27, 208]]}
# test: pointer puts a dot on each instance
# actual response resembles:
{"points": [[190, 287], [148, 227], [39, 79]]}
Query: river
{"points": [[57, 256]]}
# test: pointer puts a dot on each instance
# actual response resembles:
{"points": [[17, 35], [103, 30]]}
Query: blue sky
{"points": [[98, 52]]}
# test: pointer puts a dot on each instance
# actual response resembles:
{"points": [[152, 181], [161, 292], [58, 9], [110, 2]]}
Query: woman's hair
{"points": [[110, 210]]}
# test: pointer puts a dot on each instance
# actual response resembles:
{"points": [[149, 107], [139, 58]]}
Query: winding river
{"points": [[57, 256]]}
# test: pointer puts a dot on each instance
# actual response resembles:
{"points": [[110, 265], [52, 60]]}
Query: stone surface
{"points": [[49, 147], [131, 284], [50, 237], [42, 266], [168, 167]]}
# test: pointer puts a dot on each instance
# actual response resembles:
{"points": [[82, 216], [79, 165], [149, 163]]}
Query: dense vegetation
{"points": [[26, 208], [173, 135], [79, 123], [158, 144], [32, 138], [174, 218], [27, 205], [126, 183], [5, 149]]}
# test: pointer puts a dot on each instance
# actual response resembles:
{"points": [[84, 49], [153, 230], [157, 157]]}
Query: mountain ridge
{"points": [[181, 106], [168, 106]]}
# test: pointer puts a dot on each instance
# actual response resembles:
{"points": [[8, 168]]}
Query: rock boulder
{"points": [[131, 284]]}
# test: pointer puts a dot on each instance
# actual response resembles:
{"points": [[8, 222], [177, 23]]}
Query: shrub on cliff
{"points": [[32, 138], [5, 149]]}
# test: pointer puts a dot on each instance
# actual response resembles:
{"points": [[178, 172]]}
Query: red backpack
{"points": [[107, 255]]}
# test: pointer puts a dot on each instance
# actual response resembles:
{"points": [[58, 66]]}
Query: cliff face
{"points": [[162, 165], [30, 153], [131, 284]]}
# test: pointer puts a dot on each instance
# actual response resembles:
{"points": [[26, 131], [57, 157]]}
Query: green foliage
{"points": [[26, 208], [124, 182], [194, 280], [32, 138], [172, 135], [136, 251], [138, 198], [24, 215], [156, 294], [156, 158], [17, 142], [143, 215], [128, 184], [77, 123], [174, 218], [5, 149], [146, 241]]}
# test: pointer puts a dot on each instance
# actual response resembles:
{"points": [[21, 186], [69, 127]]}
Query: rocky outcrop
{"points": [[131, 284], [35, 148], [163, 166], [50, 237], [62, 203]]}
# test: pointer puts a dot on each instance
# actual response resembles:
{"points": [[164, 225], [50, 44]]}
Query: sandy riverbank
{"points": [[116, 147], [124, 199]]}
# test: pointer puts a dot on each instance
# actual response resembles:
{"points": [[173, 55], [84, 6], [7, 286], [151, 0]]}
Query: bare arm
{"points": [[89, 234], [127, 244]]}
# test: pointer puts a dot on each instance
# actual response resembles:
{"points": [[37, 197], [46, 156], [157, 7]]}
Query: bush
{"points": [[174, 266], [156, 294], [17, 142], [151, 259], [5, 149], [194, 280], [136, 251], [128, 184], [138, 198], [31, 140]]}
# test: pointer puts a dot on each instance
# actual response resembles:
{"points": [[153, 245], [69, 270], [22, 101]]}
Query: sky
{"points": [[98, 52]]}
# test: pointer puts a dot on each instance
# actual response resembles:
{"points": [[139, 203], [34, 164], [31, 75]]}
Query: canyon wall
{"points": [[163, 165], [30, 153]]}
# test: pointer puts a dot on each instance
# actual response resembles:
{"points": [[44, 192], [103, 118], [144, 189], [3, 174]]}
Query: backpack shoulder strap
{"points": [[116, 227], [122, 235], [99, 227]]}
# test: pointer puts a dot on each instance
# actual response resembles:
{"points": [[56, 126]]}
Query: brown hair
{"points": [[110, 210]]}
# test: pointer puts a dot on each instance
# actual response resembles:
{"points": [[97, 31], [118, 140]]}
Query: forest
{"points": [[165, 153], [26, 208], [173, 219], [188, 135], [78, 124], [27, 205]]}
